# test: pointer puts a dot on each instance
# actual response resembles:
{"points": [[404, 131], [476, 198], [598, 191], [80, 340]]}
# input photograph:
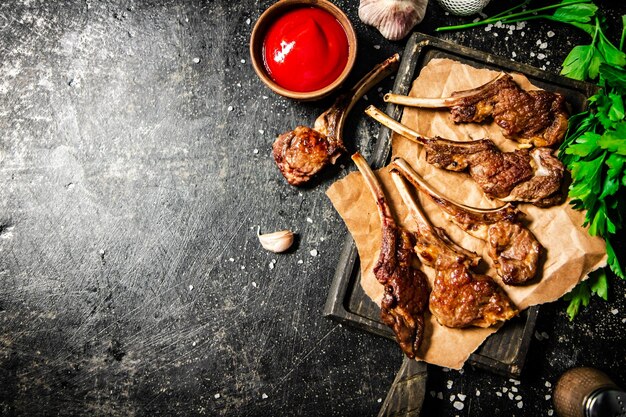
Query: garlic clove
{"points": [[277, 241], [393, 18]]}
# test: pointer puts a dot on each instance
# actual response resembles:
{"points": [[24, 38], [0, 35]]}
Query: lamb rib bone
{"points": [[459, 297], [405, 287], [532, 176], [304, 151], [513, 248], [534, 118]]}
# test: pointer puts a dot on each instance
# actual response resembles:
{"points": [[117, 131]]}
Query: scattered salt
{"points": [[380, 400], [376, 46], [243, 61], [541, 56], [230, 108], [614, 311], [313, 252], [264, 396], [261, 131], [248, 21], [505, 389], [545, 335], [550, 412], [511, 396], [433, 393], [255, 151], [309, 220], [243, 267], [449, 384], [254, 284], [458, 405], [532, 54], [452, 398], [462, 397], [520, 404], [548, 384], [498, 393], [518, 397], [440, 395], [514, 389], [191, 288], [216, 396], [543, 45], [477, 393], [550, 34], [300, 261], [231, 259], [548, 397], [513, 54], [196, 60]]}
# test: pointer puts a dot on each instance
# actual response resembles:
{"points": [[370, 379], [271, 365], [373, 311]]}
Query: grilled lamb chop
{"points": [[406, 288], [459, 298], [535, 117], [532, 176], [513, 248], [303, 152]]}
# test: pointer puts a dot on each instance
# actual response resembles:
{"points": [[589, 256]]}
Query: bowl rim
{"points": [[263, 23]]}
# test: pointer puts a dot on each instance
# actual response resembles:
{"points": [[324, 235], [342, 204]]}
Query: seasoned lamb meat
{"points": [[535, 117], [533, 176], [304, 151], [515, 251], [406, 288], [459, 297]]}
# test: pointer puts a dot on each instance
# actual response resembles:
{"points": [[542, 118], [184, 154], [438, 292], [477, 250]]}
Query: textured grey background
{"points": [[135, 167]]}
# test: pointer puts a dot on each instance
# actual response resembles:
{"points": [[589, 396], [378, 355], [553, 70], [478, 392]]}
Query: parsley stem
{"points": [[621, 41], [508, 18]]}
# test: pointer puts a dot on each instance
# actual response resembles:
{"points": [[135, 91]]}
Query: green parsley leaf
{"points": [[614, 140], [581, 12], [611, 54], [613, 261], [614, 77], [599, 284], [577, 297], [577, 62]]}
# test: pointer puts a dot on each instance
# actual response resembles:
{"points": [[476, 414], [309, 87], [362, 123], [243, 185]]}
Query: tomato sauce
{"points": [[305, 49]]}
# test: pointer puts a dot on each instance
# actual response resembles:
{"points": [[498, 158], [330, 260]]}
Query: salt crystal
{"points": [[550, 412], [243, 267], [449, 384], [505, 389], [514, 389], [548, 397], [264, 97], [541, 56], [230, 108], [231, 259], [261, 131], [511, 396], [543, 45], [545, 335], [196, 60], [462, 397], [548, 384], [254, 284], [216, 396], [452, 398], [313, 252], [476, 20], [433, 393], [550, 34], [518, 397], [190, 287], [498, 393], [271, 265], [614, 311], [440, 395], [513, 54], [520, 404], [365, 97], [300, 261], [309, 220], [461, 371], [376, 46], [243, 61], [255, 151], [495, 34], [458, 405], [532, 54], [488, 28], [624, 320], [477, 393], [248, 21], [446, 369], [380, 400], [538, 42], [264, 396], [193, 343]]}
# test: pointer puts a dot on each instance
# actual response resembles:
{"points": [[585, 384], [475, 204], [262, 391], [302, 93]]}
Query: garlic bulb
{"points": [[393, 18], [277, 241]]}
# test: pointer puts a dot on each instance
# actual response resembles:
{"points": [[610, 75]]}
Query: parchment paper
{"points": [[570, 252]]}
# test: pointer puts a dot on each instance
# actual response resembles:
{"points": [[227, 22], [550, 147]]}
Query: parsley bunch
{"points": [[595, 151]]}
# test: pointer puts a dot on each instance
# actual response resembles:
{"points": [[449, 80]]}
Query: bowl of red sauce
{"points": [[303, 49]]}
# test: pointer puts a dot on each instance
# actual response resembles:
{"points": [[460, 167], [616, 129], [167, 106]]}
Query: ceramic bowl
{"points": [[264, 23]]}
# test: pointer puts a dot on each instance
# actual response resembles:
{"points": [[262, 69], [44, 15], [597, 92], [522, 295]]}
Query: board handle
{"points": [[406, 395]]}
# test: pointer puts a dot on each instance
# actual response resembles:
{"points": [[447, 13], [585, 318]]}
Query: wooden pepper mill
{"points": [[588, 392]]}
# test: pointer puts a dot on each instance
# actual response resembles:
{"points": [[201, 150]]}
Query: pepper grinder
{"points": [[588, 392]]}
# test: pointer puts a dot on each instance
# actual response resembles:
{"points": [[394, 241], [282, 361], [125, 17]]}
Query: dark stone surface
{"points": [[135, 168]]}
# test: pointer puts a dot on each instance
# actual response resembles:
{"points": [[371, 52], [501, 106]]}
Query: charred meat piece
{"points": [[406, 288], [532, 176], [513, 248], [304, 151], [459, 297], [535, 117]]}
